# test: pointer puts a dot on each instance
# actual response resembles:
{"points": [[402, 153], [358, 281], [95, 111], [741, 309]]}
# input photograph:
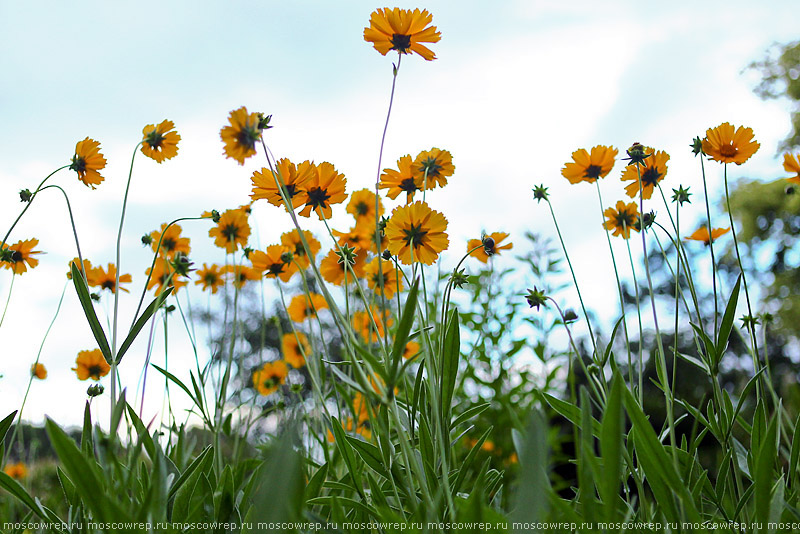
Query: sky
{"points": [[517, 86]]}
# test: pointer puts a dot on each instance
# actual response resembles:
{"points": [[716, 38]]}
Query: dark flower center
{"points": [[299, 249], [593, 171], [17, 256], [108, 284], [290, 190], [318, 198], [362, 208], [276, 268], [414, 235], [154, 139], [247, 137], [401, 42], [78, 164], [94, 371], [651, 176], [210, 279], [408, 185], [431, 166], [231, 232], [727, 150], [168, 244], [624, 220]]}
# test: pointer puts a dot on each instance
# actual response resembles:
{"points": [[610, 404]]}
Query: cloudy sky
{"points": [[517, 86]]}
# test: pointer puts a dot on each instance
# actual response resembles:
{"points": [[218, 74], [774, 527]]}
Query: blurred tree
{"points": [[780, 71]]}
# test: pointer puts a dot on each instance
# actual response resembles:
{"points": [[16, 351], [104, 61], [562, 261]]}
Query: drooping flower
{"points": [[791, 163], [326, 187], [362, 205], [295, 347], [622, 220], [87, 161], [295, 178], [363, 325], [21, 256], [403, 180], [652, 170], [302, 308], [163, 274], [391, 282], [232, 230], [292, 241], [211, 277], [171, 241], [91, 364], [160, 142], [726, 145], [241, 135], [272, 262], [433, 167], [270, 376], [39, 371], [17, 471], [416, 233], [332, 267], [589, 166], [491, 244], [701, 234], [402, 30], [107, 279]]}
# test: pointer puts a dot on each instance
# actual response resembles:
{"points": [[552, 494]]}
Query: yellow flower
{"points": [[91, 364], [402, 180], [295, 348], [438, 164], [416, 233], [160, 142], [622, 219], [360, 408], [39, 371], [325, 187], [359, 236], [411, 349], [268, 379], [701, 234], [390, 279], [17, 471], [301, 307], [171, 241], [210, 277], [791, 163], [361, 430], [232, 230], [332, 267], [363, 325], [87, 270], [22, 254], [242, 274], [362, 205], [588, 167], [294, 179], [291, 240], [725, 145], [108, 279], [494, 246], [241, 136], [652, 171], [271, 262], [87, 161], [161, 275], [402, 30]]}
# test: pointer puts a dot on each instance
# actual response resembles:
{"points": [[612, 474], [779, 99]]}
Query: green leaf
{"points": [[587, 471], [174, 379], [315, 484], [611, 437], [711, 350], [727, 322], [280, 495], [16, 489], [87, 444], [340, 438], [5, 424], [403, 330], [141, 430], [467, 463], [201, 460], [763, 471], [468, 414], [533, 489], [141, 321], [451, 352], [370, 454], [184, 488], [88, 310]]}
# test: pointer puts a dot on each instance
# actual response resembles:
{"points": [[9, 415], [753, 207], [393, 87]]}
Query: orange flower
{"points": [[588, 167], [291, 240], [241, 136], [332, 267], [272, 262], [404, 180], [301, 307], [91, 364], [22, 254], [295, 348], [416, 233], [402, 30], [791, 163], [623, 219], [108, 279], [268, 379], [493, 246], [325, 187], [87, 161], [161, 276], [210, 277], [652, 171], [433, 167], [701, 234], [171, 241], [364, 327], [160, 142], [725, 145], [411, 349], [391, 282], [362, 205], [232, 230], [39, 371], [295, 178], [87, 270], [242, 274], [17, 471]]}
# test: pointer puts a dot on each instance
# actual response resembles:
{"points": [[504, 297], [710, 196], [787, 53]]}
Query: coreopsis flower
{"points": [[589, 166], [160, 142], [270, 376], [20, 255], [402, 30], [363, 325], [87, 161], [491, 244], [701, 234], [272, 262], [362, 205], [171, 241], [622, 219], [302, 307], [39, 371], [433, 167], [348, 425], [791, 163], [388, 273], [360, 407], [360, 236], [295, 348], [726, 145], [91, 364], [241, 274], [292, 241], [232, 230], [107, 279], [403, 180], [652, 170], [87, 270], [411, 349], [210, 277], [241, 135], [162, 275], [294, 179], [332, 267], [17, 471], [326, 187], [416, 233]]}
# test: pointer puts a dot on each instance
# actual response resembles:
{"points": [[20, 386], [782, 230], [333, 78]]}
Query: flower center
{"points": [[17, 256], [78, 164], [651, 176], [728, 151], [318, 198], [362, 208], [414, 235], [231, 232], [408, 185], [210, 279], [431, 166], [247, 137], [168, 244], [401, 42], [593, 171], [154, 139], [108, 284], [94, 371], [276, 268], [624, 220]]}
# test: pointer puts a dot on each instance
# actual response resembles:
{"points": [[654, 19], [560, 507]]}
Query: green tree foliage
{"points": [[780, 71]]}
